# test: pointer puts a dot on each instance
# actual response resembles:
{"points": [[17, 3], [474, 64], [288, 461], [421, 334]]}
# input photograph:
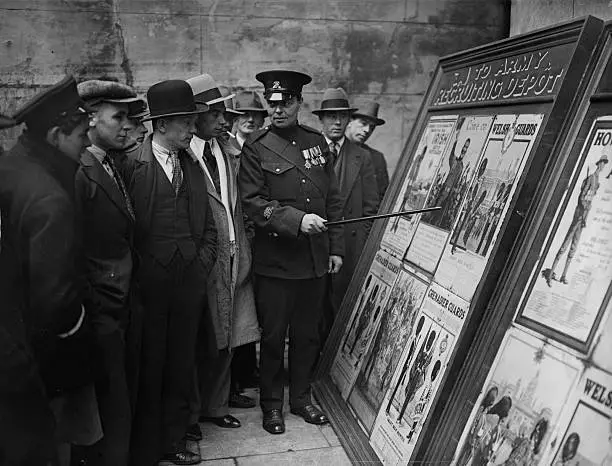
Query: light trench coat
{"points": [[231, 301]]}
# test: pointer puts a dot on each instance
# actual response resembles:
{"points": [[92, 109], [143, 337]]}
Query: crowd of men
{"points": [[137, 271]]}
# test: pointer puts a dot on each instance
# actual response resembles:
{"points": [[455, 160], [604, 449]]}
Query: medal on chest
{"points": [[313, 157]]}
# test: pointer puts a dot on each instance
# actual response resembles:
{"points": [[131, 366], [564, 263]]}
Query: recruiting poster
{"points": [[603, 343], [526, 391], [418, 375], [587, 440], [448, 189], [364, 320], [570, 286], [395, 327], [417, 183], [486, 203]]}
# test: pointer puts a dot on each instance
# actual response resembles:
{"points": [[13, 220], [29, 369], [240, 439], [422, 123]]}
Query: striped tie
{"points": [[177, 174]]}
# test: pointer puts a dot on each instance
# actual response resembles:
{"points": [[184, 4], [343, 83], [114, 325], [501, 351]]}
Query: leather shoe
{"points": [[194, 433], [236, 400], [273, 421], [180, 458], [227, 422], [311, 414]]}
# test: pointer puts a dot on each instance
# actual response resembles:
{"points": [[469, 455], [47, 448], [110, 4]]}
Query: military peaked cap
{"points": [[280, 84], [61, 99]]}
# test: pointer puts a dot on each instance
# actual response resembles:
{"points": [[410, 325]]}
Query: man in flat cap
{"points": [[357, 182], [289, 190], [43, 340], [363, 123], [108, 225], [137, 131], [176, 239], [231, 303]]}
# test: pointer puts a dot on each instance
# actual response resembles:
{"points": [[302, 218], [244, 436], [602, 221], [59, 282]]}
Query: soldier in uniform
{"points": [[289, 190], [43, 331], [588, 189], [363, 123]]}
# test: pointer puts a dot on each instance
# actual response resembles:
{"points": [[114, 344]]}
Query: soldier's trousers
{"points": [[297, 305]]}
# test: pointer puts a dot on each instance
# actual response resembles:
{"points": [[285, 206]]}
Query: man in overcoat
{"points": [[362, 125], [43, 346], [355, 172], [230, 298], [289, 190], [175, 238], [108, 226]]}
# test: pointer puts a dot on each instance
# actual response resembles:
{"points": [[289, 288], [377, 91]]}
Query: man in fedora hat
{"points": [[355, 172], [175, 237], [588, 190], [289, 190], [253, 115], [363, 123], [231, 302], [108, 225], [43, 325]]}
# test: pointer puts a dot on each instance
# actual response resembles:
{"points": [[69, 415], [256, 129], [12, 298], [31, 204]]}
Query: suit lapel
{"points": [[197, 187], [210, 185], [292, 154], [145, 183], [96, 173], [352, 166]]}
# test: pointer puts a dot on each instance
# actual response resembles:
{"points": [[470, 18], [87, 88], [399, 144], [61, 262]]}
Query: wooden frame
{"points": [[548, 194], [569, 47]]}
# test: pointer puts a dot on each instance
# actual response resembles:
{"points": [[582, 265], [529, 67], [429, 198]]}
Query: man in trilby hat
{"points": [[289, 190], [355, 172], [231, 303], [253, 115], [175, 237], [108, 226], [363, 123], [43, 337]]}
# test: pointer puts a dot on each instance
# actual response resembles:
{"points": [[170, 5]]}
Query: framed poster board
{"points": [[482, 138], [557, 288]]}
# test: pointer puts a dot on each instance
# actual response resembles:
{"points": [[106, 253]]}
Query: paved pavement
{"points": [[250, 445]]}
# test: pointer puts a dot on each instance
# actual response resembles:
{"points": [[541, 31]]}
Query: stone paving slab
{"points": [[321, 456]]}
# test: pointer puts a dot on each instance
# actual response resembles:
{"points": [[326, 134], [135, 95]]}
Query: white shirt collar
{"points": [[97, 152], [339, 142], [162, 152]]}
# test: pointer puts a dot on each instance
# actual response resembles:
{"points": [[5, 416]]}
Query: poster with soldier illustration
{"points": [[418, 375], [486, 203], [394, 329], [364, 320], [570, 285], [587, 439], [523, 398], [448, 189], [417, 183]]}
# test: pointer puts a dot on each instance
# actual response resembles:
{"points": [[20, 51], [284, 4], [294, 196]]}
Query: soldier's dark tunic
{"points": [[278, 187]]}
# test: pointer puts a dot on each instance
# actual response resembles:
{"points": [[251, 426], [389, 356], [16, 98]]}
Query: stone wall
{"points": [[527, 15], [380, 49]]}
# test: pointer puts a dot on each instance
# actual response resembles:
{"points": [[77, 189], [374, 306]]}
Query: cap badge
{"points": [[276, 85]]}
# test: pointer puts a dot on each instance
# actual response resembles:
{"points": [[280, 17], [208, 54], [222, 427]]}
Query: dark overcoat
{"points": [[359, 199], [380, 171], [277, 190], [107, 243]]}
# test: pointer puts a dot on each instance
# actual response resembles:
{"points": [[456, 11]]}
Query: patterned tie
{"points": [[211, 164], [121, 185], [333, 149], [177, 173]]}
